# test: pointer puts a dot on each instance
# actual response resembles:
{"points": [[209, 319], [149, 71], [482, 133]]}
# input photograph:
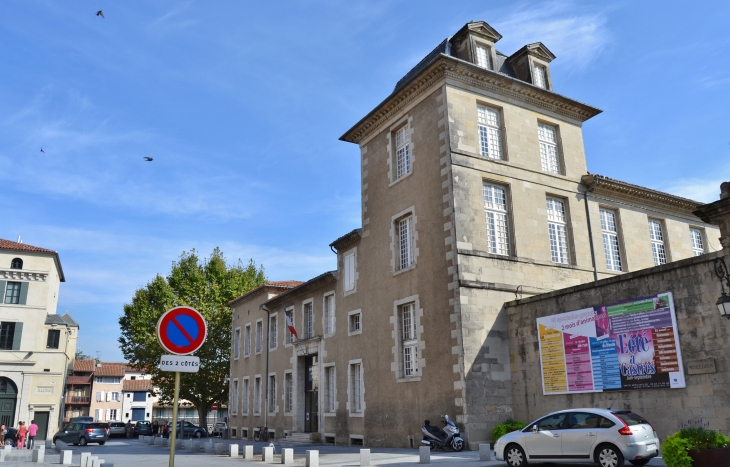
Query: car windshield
{"points": [[630, 418]]}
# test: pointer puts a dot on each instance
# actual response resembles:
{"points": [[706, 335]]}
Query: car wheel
{"points": [[432, 446], [257, 436], [198, 434], [83, 442], [515, 456], [101, 443], [457, 445], [640, 462], [609, 456]]}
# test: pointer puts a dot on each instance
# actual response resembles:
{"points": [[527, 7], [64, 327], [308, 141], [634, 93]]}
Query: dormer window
{"points": [[482, 57], [539, 76], [16, 263]]}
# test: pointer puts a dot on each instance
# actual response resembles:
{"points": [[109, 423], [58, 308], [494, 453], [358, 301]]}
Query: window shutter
{"points": [[16, 336], [98, 414], [108, 396], [2, 291], [23, 293], [108, 414]]}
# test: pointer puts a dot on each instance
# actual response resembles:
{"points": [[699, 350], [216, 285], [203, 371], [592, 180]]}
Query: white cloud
{"points": [[699, 189]]}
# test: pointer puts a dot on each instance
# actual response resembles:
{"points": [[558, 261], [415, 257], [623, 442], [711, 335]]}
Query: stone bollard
{"points": [[424, 453], [90, 461], [178, 444], [267, 454], [364, 457], [84, 458], [3, 454], [66, 457], [196, 446], [219, 449], [287, 456], [38, 455], [188, 444], [152, 440], [142, 439], [233, 450], [166, 442], [485, 454], [208, 447], [312, 458], [158, 441], [248, 451], [49, 443], [96, 462]]}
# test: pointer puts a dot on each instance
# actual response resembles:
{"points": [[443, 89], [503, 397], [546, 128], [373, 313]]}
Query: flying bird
{"points": [[148, 159], [43, 151], [100, 13]]}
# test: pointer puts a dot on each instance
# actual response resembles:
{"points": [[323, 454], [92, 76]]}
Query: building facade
{"points": [[475, 191], [37, 346]]}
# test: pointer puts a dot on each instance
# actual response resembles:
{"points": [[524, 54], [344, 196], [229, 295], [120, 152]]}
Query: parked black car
{"points": [[11, 437], [142, 428], [83, 433]]}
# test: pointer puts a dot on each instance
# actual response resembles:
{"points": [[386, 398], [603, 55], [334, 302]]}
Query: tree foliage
{"points": [[80, 355], [206, 285]]}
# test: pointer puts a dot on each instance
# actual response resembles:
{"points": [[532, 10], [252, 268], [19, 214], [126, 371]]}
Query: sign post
{"points": [[181, 331]]}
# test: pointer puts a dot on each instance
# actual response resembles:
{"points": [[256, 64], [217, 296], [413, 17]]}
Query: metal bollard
{"points": [[312, 458], [424, 453]]}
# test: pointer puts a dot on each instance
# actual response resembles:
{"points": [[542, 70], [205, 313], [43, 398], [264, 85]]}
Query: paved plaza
{"points": [[132, 453]]}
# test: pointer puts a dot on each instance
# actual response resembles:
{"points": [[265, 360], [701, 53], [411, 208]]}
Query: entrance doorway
{"points": [[41, 419], [8, 399], [311, 394]]}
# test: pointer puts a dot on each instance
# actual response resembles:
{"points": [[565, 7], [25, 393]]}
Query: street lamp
{"points": [[723, 303]]}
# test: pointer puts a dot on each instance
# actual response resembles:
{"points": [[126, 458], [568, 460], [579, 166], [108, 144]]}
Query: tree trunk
{"points": [[203, 416]]}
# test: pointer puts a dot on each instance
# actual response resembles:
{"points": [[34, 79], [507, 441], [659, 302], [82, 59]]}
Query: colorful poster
{"points": [[628, 345]]}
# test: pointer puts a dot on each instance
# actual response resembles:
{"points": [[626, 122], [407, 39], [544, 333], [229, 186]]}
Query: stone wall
{"points": [[704, 337]]}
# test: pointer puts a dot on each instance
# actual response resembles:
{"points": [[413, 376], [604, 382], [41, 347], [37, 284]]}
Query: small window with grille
{"points": [[409, 340], [557, 231], [490, 132], [495, 209], [402, 152], [405, 243], [656, 234], [609, 230], [539, 76], [483, 57], [548, 139], [698, 242]]}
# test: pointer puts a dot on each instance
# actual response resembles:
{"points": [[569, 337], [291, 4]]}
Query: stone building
{"points": [[703, 339], [475, 192], [37, 346]]}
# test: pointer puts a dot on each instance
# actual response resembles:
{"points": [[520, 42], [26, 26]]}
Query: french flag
{"points": [[289, 324]]}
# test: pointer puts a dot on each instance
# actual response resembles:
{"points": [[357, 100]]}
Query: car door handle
{"points": [[556, 436], [590, 434]]}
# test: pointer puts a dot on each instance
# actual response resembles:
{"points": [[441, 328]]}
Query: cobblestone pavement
{"points": [[132, 453]]}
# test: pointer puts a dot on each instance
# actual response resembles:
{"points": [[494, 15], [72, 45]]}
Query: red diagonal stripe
{"points": [[182, 330]]}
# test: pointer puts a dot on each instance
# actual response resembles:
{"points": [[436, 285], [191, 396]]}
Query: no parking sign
{"points": [[181, 330]]}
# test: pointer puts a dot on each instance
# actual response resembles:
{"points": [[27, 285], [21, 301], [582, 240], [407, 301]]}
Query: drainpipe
{"points": [[266, 396], [590, 230]]}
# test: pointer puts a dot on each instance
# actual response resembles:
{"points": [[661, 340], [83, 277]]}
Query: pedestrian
{"points": [[155, 428], [22, 430], [165, 431], [32, 432], [128, 429], [2, 434]]}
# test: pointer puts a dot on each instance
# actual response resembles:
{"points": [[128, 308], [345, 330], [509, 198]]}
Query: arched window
{"points": [[16, 263]]}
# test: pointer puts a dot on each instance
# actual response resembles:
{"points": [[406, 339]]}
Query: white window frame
{"points": [[403, 161], [697, 237], [308, 319], [496, 211], [328, 314], [289, 337], [355, 315], [355, 388], [247, 340], [259, 336], [272, 408], [330, 390], [273, 331], [404, 232], [483, 56], [237, 343], [611, 243], [658, 247], [539, 73], [349, 269], [245, 395], [409, 340], [288, 392], [548, 138], [257, 395], [234, 397], [113, 415], [558, 230], [489, 122]]}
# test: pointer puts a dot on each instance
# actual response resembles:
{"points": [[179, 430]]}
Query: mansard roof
{"points": [[311, 284], [537, 49], [271, 286], [480, 28]]}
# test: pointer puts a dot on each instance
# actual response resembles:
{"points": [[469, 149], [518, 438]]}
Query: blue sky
{"points": [[241, 105]]}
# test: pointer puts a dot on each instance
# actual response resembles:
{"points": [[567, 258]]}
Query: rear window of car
{"points": [[118, 425], [143, 423], [630, 418], [97, 425]]}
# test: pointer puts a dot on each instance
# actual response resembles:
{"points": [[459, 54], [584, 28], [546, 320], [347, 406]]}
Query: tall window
{"points": [[349, 272], [245, 395], [657, 242], [548, 137], [495, 208], [308, 321], [540, 76], [237, 343], [257, 395], [329, 314], [557, 230], [402, 152], [12, 293], [482, 55], [490, 134], [289, 388], [329, 397], [272, 393], [273, 332], [356, 389], [247, 341], [54, 336], [698, 244], [7, 332], [610, 240], [409, 340], [290, 316], [259, 336], [405, 243], [234, 396]]}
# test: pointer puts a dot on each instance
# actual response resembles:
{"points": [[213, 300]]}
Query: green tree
{"points": [[206, 285], [80, 355]]}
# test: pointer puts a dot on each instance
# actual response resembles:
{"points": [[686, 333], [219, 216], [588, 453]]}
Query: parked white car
{"points": [[603, 436]]}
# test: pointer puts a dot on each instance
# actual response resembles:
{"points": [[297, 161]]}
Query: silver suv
{"points": [[603, 436]]}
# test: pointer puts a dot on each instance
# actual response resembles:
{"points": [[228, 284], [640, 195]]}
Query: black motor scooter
{"points": [[436, 438]]}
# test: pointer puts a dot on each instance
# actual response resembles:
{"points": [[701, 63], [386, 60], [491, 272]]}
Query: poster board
{"points": [[627, 345]]}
